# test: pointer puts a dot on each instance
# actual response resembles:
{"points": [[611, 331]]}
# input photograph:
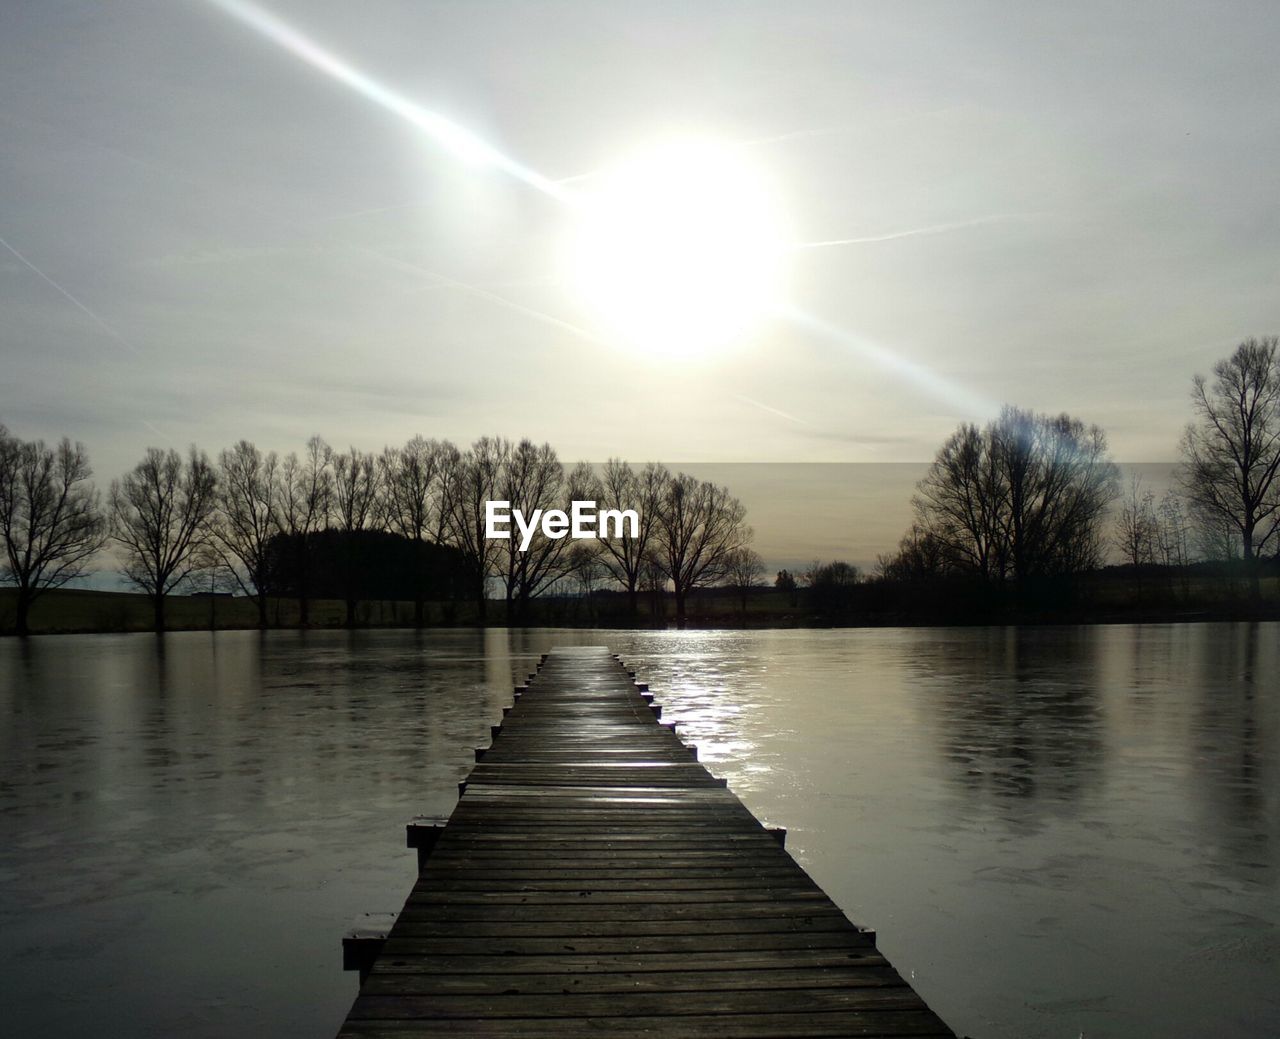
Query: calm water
{"points": [[1057, 832]]}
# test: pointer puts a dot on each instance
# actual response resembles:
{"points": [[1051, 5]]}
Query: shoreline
{"points": [[234, 615]]}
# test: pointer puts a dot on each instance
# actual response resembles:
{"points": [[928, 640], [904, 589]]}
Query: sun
{"points": [[679, 249]]}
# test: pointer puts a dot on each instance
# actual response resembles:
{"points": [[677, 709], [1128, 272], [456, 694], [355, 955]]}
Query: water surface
{"points": [[1056, 831]]}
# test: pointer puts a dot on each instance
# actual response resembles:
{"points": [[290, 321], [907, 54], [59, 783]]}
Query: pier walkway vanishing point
{"points": [[594, 879]]}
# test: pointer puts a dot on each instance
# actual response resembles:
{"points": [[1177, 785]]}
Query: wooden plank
{"points": [[717, 943], [407, 1004], [436, 980], [574, 956], [793, 1025], [630, 927]]}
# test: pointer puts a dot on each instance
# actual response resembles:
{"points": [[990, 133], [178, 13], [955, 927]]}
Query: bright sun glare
{"points": [[678, 250]]}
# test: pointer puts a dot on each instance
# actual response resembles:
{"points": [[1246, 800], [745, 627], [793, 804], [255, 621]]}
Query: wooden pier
{"points": [[594, 879]]}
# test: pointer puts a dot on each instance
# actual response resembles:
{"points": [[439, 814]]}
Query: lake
{"points": [[1066, 831]]}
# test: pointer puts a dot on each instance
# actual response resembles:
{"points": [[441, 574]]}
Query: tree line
{"points": [[1027, 496], [268, 525]]}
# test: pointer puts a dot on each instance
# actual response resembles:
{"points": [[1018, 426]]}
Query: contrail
{"points": [[772, 410], [932, 229], [793, 135], [454, 138], [492, 297], [71, 299]]}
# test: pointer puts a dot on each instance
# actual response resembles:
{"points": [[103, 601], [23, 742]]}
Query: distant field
{"points": [[69, 610], [1108, 596]]}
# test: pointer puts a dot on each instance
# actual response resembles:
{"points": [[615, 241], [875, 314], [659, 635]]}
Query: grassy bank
{"points": [[74, 610], [1099, 598]]}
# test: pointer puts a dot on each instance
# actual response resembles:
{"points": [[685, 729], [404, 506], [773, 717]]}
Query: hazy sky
{"points": [[1069, 207]]}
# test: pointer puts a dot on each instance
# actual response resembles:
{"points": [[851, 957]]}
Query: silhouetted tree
{"points": [[1173, 532], [50, 517], [653, 579], [963, 502], [745, 570], [1024, 497], [922, 556], [1216, 538], [700, 526], [160, 516], [831, 587], [586, 569], [531, 480], [810, 573], [620, 487], [1137, 526], [386, 571], [1173, 539], [1231, 452], [548, 559], [246, 519], [306, 499], [355, 508], [785, 582], [411, 480], [471, 482]]}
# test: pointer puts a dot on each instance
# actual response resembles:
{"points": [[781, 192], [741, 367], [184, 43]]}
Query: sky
{"points": [[205, 238]]}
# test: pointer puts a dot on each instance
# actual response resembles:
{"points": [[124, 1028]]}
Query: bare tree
{"points": [[1137, 527], [1023, 497], [247, 519], [411, 480], [700, 526], [1059, 483], [1216, 537], [653, 579], [160, 516], [532, 481], [356, 490], [213, 574], [962, 500], [1173, 539], [745, 571], [472, 482], [449, 466], [586, 568], [50, 517], [549, 559], [1173, 532], [306, 500], [922, 556], [831, 591], [620, 487], [1231, 452], [785, 582]]}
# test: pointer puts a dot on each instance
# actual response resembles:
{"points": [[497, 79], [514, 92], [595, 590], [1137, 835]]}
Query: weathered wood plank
{"points": [[719, 1026], [404, 1004], [437, 981], [719, 944]]}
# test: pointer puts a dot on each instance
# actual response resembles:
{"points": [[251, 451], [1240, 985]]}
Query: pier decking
{"points": [[594, 879]]}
